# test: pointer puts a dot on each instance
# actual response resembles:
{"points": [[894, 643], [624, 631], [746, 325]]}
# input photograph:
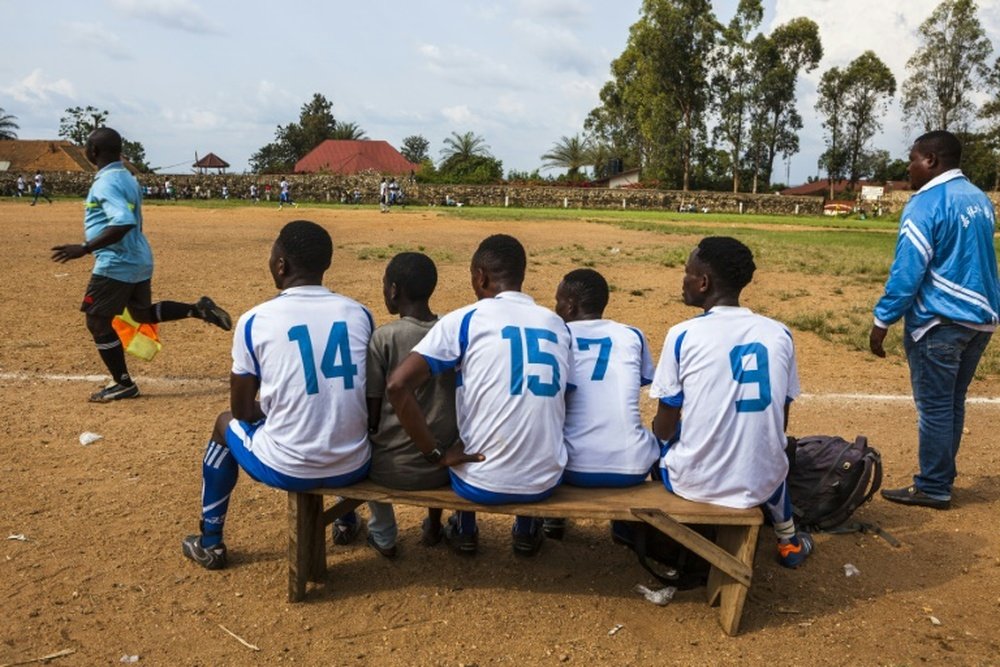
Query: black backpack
{"points": [[829, 478]]}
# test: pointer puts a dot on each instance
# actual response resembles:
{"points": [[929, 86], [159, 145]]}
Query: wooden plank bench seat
{"points": [[731, 555]]}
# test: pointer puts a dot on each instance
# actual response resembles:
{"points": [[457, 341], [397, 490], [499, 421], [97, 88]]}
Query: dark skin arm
{"points": [[110, 236], [412, 372], [243, 397]]}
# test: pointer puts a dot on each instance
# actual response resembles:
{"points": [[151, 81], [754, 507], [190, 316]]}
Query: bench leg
{"points": [[731, 595], [306, 547]]}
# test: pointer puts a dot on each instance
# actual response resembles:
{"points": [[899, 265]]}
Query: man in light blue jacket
{"points": [[943, 283]]}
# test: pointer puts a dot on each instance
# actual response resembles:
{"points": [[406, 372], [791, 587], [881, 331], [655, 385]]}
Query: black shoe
{"points": [[467, 545], [555, 529], [528, 544], [344, 533], [210, 312], [115, 392], [431, 533], [210, 558], [911, 495], [391, 552]]}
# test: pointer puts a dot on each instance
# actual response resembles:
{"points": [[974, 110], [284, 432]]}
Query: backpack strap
{"points": [[864, 527]]}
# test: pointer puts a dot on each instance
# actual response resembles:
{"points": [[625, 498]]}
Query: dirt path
{"points": [[100, 571]]}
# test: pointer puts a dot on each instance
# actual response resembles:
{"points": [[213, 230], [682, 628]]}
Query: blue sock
{"points": [[218, 471], [524, 525], [466, 522]]}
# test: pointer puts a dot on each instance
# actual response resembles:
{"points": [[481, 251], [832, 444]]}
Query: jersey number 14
{"points": [[337, 345]]}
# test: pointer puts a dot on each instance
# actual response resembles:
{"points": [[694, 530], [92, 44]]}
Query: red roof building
{"points": [[30, 155], [210, 161], [821, 188], [342, 156]]}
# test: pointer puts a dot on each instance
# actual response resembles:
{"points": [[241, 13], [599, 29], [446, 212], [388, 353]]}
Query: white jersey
{"points": [[604, 431], [308, 347], [732, 372], [512, 358], [284, 187]]}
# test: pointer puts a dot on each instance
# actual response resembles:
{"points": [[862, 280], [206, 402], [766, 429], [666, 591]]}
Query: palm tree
{"points": [[343, 130], [462, 147], [571, 153], [7, 125]]}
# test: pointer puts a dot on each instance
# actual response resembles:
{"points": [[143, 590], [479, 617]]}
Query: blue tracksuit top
{"points": [[945, 264]]}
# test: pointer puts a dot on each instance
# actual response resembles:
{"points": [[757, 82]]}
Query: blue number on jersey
{"points": [[536, 355], [603, 355], [337, 343], [760, 375]]}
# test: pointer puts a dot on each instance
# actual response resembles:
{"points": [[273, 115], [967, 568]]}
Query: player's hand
{"points": [[64, 253], [455, 455], [876, 339]]}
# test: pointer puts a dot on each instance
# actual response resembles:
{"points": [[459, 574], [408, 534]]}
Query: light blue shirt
{"points": [[115, 200]]}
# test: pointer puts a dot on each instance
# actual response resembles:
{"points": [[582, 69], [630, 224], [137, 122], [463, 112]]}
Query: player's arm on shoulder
{"points": [[666, 420]]}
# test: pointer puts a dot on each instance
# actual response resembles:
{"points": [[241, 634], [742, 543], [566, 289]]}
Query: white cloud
{"points": [[36, 89], [194, 119], [468, 68], [94, 37], [566, 12], [558, 46], [182, 15], [459, 115]]}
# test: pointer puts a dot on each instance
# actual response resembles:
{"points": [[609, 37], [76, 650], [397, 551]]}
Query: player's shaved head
{"points": [[503, 259], [588, 288], [943, 144], [106, 141], [730, 262], [414, 275], [306, 246]]}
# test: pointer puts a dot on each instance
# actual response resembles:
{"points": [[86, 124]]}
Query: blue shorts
{"points": [[483, 497], [279, 480], [603, 479]]}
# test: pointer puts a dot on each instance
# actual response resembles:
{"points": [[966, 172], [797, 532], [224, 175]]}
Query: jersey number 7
{"points": [[337, 344]]}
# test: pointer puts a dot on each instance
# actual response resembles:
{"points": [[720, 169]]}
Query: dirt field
{"points": [[100, 571]]}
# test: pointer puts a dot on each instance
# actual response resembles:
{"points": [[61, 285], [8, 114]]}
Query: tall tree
{"points": [[869, 87], [949, 65], [8, 125], [464, 146], [570, 153], [612, 130], [731, 82], [990, 114], [832, 89], [778, 59], [351, 131], [415, 148], [291, 142], [661, 81], [79, 122]]}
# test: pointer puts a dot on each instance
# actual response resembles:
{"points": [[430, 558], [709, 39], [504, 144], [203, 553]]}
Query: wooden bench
{"points": [[731, 555]]}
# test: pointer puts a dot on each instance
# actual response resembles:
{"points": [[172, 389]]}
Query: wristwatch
{"points": [[86, 248], [434, 456]]}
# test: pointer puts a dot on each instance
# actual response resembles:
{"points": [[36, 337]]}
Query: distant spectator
{"points": [[38, 189]]}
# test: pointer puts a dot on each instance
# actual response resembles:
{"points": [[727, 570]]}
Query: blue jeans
{"points": [[942, 364]]}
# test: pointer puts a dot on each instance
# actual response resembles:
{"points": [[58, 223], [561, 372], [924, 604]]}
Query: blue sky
{"points": [[186, 76]]}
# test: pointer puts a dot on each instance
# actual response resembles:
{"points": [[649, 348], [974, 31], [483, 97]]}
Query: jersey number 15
{"points": [[530, 338]]}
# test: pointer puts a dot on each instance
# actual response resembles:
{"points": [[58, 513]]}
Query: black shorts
{"points": [[109, 297]]}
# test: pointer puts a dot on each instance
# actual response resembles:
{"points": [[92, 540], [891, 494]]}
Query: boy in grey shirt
{"points": [[409, 281]]}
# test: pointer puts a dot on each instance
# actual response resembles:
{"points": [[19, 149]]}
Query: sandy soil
{"points": [[100, 571]]}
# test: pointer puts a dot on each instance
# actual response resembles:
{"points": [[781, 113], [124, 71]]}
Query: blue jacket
{"points": [[945, 264]]}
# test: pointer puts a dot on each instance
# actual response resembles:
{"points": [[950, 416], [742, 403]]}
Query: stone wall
{"points": [[894, 201], [333, 188]]}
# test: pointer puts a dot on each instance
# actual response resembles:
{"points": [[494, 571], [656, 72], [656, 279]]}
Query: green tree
{"points": [[869, 86], [350, 131], [732, 82], [79, 122], [990, 115], [661, 85], [949, 65], [612, 131], [291, 142], [415, 148], [832, 89], [8, 125], [570, 153], [466, 158], [462, 147], [778, 59]]}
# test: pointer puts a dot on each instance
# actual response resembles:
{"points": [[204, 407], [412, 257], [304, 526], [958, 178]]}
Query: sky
{"points": [[194, 76]]}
